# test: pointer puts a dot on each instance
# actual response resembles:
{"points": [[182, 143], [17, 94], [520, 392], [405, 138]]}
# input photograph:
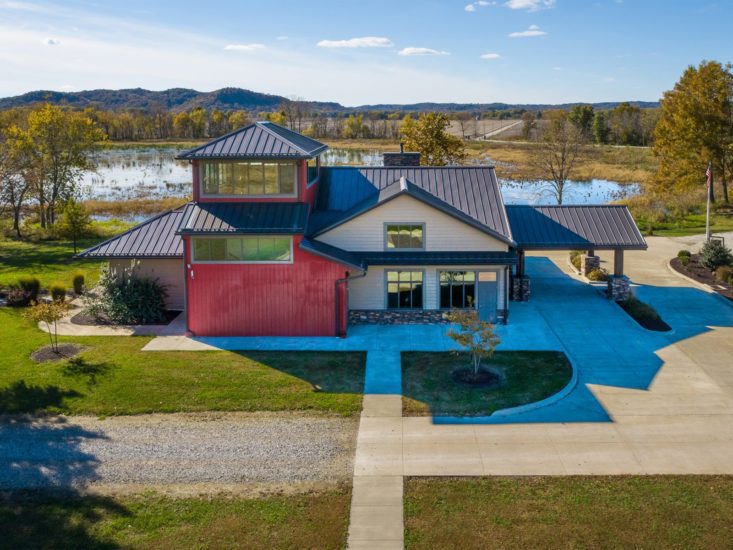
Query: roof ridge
{"points": [[215, 140], [264, 124]]}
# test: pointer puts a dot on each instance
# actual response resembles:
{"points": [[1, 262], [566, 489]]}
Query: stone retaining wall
{"points": [[619, 288], [588, 264], [397, 317], [521, 289]]}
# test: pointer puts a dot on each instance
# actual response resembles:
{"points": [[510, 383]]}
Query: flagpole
{"points": [[709, 175]]}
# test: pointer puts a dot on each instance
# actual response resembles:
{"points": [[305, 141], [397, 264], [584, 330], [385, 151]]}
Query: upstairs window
{"points": [[405, 236], [242, 249], [248, 178], [404, 289]]}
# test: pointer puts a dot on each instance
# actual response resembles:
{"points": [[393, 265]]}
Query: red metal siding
{"points": [[297, 299]]}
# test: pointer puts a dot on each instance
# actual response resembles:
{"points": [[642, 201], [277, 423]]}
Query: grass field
{"points": [[569, 512], [115, 377], [52, 260], [530, 376], [314, 520]]}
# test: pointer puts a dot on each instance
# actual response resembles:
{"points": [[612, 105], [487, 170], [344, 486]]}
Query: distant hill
{"points": [[184, 99]]}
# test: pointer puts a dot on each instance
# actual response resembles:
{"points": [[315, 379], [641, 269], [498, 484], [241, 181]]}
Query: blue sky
{"points": [[357, 52]]}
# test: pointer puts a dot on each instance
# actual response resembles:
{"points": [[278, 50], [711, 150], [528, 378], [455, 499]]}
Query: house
{"points": [[275, 243]]}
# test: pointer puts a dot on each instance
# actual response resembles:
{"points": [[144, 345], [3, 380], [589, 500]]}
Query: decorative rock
{"points": [[589, 263], [397, 317], [619, 288], [521, 289]]}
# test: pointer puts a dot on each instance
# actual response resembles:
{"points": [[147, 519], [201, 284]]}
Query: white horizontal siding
{"points": [[442, 232], [369, 292], [168, 272]]}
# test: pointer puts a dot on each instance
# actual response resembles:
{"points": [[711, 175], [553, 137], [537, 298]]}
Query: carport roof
{"points": [[569, 227]]}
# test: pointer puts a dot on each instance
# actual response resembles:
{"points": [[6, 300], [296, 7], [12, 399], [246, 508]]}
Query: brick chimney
{"points": [[401, 158]]}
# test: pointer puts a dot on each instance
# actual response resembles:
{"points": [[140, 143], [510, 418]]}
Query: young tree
{"points": [[475, 336], [696, 127], [463, 120], [428, 136], [75, 221], [49, 313], [558, 147]]}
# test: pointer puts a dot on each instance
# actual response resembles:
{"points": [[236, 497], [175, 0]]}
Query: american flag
{"points": [[709, 174]]}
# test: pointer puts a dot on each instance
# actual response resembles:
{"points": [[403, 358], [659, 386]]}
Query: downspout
{"points": [[340, 282]]}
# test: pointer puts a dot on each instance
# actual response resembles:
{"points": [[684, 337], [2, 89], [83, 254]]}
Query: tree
{"points": [[696, 127], [463, 119], [529, 123], [49, 313], [57, 146], [581, 116], [354, 127], [428, 136], [75, 221], [238, 119], [624, 124], [714, 254], [475, 336], [558, 147], [14, 187], [600, 127]]}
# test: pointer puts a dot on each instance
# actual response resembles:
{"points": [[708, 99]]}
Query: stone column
{"points": [[521, 289], [589, 262], [619, 288]]}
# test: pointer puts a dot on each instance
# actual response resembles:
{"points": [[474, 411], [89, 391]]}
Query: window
{"points": [[405, 236], [404, 289], [248, 178], [457, 289], [242, 249]]}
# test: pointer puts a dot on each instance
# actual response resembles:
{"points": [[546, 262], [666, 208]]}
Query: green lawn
{"points": [[314, 520], [569, 512], [692, 224], [530, 376], [115, 377], [52, 260]]}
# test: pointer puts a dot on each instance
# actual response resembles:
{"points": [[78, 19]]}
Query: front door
{"points": [[487, 295]]}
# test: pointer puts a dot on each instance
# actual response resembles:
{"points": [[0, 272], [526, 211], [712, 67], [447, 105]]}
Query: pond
{"points": [[139, 172]]}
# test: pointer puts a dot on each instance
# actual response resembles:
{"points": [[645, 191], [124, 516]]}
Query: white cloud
{"points": [[52, 41], [490, 56], [363, 42], [244, 47], [420, 51], [479, 3], [529, 5], [533, 30]]}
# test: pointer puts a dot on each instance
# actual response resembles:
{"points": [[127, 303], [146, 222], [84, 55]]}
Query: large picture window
{"points": [[404, 289], [242, 249], [248, 178], [457, 289], [405, 236]]}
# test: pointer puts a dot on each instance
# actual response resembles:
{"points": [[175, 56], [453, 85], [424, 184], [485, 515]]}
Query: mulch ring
{"points": [[701, 274], [83, 318], [65, 351]]}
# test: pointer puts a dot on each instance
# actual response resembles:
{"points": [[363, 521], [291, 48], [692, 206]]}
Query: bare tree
{"points": [[557, 149], [14, 187]]}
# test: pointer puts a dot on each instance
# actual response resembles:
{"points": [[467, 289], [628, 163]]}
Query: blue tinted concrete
{"points": [[604, 344]]}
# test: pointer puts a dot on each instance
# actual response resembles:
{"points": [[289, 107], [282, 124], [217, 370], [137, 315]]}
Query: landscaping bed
{"points": [[644, 314], [429, 386], [702, 275], [85, 319], [39, 520], [569, 512]]}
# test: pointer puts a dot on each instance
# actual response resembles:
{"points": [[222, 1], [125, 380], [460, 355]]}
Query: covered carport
{"points": [[570, 227]]}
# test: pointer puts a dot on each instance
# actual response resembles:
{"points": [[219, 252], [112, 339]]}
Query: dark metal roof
{"points": [[247, 217], [439, 258], [154, 238], [470, 193], [333, 253], [258, 140], [566, 227]]}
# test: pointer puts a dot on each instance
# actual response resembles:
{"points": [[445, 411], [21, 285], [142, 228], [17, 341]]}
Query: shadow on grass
{"points": [[19, 397], [78, 367], [30, 519]]}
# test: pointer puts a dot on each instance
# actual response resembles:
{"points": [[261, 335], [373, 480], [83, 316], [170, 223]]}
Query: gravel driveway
{"points": [[221, 449]]}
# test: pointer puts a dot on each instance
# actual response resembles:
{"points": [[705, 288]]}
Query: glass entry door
{"points": [[487, 295]]}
